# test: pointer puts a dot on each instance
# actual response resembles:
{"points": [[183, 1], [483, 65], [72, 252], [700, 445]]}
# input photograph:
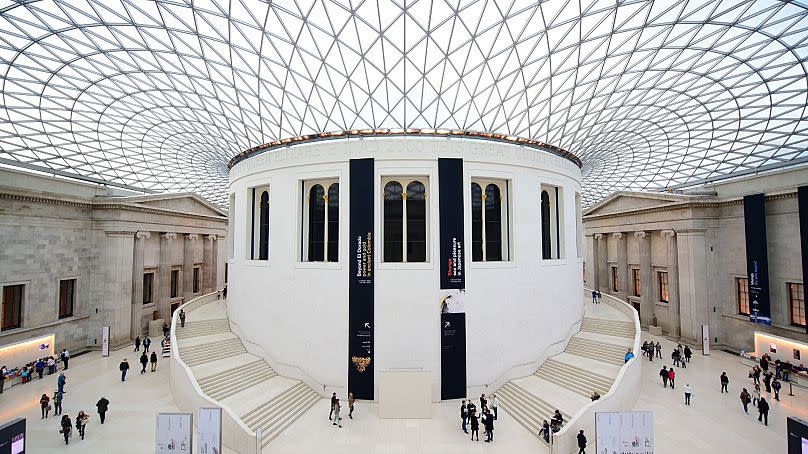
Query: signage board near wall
{"points": [[757, 262], [209, 430], [105, 341], [12, 437], [360, 279], [173, 433], [802, 195], [625, 432]]}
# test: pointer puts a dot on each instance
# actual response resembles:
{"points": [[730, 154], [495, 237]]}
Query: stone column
{"points": [[209, 262], [646, 279], [137, 284], [673, 283], [694, 272], [622, 265], [594, 267], [165, 275], [603, 264], [188, 266], [116, 298]]}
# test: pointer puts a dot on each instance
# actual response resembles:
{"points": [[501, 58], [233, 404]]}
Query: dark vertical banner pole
{"points": [[452, 277], [360, 280], [802, 195], [757, 263]]}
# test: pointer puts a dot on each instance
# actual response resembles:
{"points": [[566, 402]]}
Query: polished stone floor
{"points": [[714, 422]]}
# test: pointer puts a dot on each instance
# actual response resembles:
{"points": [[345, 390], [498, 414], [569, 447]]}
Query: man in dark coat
{"points": [[103, 406], [124, 366], [182, 318], [137, 343], [475, 425], [664, 374], [688, 353], [146, 344], [763, 408], [767, 380], [581, 442], [333, 402], [144, 360]]}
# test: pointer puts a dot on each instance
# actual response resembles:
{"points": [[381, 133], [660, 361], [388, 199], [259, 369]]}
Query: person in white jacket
{"points": [[688, 393]]}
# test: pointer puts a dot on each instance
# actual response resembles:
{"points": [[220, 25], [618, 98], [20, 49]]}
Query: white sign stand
{"points": [[625, 432], [209, 430], [173, 434], [259, 440], [705, 339], [105, 341]]}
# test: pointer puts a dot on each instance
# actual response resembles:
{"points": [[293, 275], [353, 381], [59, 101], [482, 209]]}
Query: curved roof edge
{"points": [[497, 137]]}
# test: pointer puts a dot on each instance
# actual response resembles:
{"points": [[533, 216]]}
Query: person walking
{"points": [[81, 422], [137, 343], [763, 410], [2, 378], [182, 318], [61, 380], [545, 431], [494, 405], [671, 376], [658, 349], [629, 355], [153, 360], [144, 361], [350, 405], [675, 357], [664, 374], [146, 344], [776, 385], [333, 402], [688, 353], [600, 297], [756, 395], [57, 403], [489, 426], [65, 356], [463, 416], [688, 393], [44, 405], [594, 297], [581, 442], [745, 399], [755, 374], [724, 383], [475, 425], [67, 426], [102, 405], [337, 418], [124, 366], [767, 380]]}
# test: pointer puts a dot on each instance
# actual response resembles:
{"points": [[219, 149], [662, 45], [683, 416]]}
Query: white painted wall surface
{"points": [[298, 312]]}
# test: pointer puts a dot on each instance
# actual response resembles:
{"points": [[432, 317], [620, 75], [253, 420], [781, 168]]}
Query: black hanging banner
{"points": [[360, 280], [757, 263], [452, 278], [453, 356], [450, 206], [802, 195]]}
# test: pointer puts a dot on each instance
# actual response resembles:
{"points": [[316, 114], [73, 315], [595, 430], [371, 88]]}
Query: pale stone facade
{"points": [[698, 238], [55, 229]]}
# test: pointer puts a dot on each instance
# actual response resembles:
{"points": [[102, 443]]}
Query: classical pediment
{"points": [[186, 203], [628, 201]]}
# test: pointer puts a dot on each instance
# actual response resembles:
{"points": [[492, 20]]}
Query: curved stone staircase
{"points": [[236, 379], [590, 362]]}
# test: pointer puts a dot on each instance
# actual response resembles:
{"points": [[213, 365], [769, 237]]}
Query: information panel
{"points": [[173, 433], [209, 430], [625, 432], [802, 193], [360, 280], [757, 263], [453, 356], [450, 209], [12, 437]]}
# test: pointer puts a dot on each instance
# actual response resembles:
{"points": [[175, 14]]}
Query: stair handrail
{"points": [[623, 392], [235, 434]]}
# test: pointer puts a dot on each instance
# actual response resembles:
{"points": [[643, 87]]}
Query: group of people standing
{"points": [[336, 409], [37, 367], [469, 417]]}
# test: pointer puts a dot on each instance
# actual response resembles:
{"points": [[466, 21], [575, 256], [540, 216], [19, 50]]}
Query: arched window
{"points": [[416, 222], [316, 242], [476, 223], [546, 231], [393, 222], [493, 223], [333, 222], [263, 235]]}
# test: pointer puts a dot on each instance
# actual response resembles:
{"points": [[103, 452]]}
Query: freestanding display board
{"points": [[360, 280], [757, 262], [12, 437], [625, 432], [802, 194], [173, 433], [797, 435], [209, 430]]}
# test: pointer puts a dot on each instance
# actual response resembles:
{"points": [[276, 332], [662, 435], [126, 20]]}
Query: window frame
{"points": [[306, 186], [742, 294], [64, 313], [615, 278], [174, 283], [636, 282], [405, 180], [555, 195], [151, 286], [21, 311], [504, 185], [792, 289], [196, 279], [255, 239], [662, 288]]}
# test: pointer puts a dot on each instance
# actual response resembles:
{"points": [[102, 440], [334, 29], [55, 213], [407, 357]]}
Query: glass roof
{"points": [[161, 95]]}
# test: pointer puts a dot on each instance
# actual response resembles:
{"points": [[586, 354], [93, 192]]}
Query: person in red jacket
{"points": [[671, 376]]}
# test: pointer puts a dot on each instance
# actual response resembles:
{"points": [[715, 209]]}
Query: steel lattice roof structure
{"points": [[160, 95]]}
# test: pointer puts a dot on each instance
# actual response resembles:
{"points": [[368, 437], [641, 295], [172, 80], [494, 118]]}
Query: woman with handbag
{"points": [[44, 404], [81, 422], [66, 427]]}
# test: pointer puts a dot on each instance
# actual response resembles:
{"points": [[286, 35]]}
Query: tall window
{"points": [[404, 214], [796, 299], [260, 224], [635, 279], [662, 278], [175, 277], [195, 283], [12, 306], [742, 292], [67, 297], [550, 222], [615, 280], [148, 286], [489, 220], [321, 219]]}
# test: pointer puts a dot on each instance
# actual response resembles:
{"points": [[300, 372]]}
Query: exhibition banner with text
{"points": [[360, 280], [452, 279], [802, 193], [757, 263]]}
